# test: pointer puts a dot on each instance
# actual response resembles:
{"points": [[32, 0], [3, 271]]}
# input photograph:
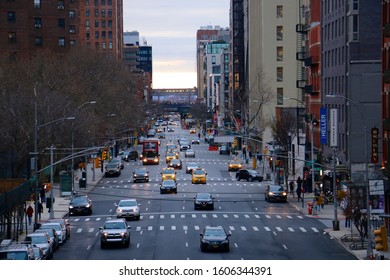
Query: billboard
{"points": [[323, 126]]}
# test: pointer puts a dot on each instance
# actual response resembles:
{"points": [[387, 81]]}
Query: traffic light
{"points": [[97, 162], [381, 239], [104, 155], [235, 142]]}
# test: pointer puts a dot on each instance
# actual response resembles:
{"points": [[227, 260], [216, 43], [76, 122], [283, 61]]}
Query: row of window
{"points": [[38, 41], [103, 35], [96, 13], [102, 2], [103, 23], [61, 3]]}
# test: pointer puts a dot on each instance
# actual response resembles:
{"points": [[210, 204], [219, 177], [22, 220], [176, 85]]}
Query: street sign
{"points": [[374, 145]]}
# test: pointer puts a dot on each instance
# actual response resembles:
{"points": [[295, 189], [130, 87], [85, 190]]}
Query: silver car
{"points": [[189, 153], [115, 231], [43, 241], [128, 208], [59, 228]]}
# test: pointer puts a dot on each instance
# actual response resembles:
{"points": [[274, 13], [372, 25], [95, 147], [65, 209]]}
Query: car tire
{"points": [[250, 179], [227, 249], [238, 178], [138, 217], [127, 244], [103, 245]]}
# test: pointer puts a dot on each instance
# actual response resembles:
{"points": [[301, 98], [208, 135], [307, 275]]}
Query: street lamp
{"points": [[72, 168], [369, 249], [36, 127], [312, 143]]}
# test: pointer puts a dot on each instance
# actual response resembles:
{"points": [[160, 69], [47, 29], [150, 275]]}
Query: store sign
{"points": [[374, 147], [333, 127], [323, 126]]}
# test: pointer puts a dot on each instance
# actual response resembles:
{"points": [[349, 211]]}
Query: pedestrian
{"points": [[292, 188], [318, 203], [40, 210], [199, 135], [299, 188], [29, 212], [322, 199], [101, 165], [42, 194], [250, 154]]}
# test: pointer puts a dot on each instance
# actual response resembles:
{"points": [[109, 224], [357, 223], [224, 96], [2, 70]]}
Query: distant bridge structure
{"points": [[175, 96]]}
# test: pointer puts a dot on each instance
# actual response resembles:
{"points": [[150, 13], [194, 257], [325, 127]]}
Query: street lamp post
{"points": [[369, 249], [36, 127], [72, 168], [311, 146]]}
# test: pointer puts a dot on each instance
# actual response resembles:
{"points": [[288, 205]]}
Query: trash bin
{"points": [[309, 207], [83, 183]]}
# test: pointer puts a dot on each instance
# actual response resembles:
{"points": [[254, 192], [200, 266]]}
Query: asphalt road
{"points": [[169, 227]]}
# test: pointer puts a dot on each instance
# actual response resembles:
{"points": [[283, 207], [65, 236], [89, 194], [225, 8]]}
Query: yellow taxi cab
{"points": [[170, 156], [234, 165], [193, 130], [199, 176], [168, 173]]}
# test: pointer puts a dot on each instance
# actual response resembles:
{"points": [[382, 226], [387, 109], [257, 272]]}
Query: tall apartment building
{"points": [[205, 35], [351, 73], [60, 25]]}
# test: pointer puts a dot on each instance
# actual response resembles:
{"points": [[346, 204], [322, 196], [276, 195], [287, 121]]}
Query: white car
{"points": [[128, 208], [189, 153], [59, 228]]}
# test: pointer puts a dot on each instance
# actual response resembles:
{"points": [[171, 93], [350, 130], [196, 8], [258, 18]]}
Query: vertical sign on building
{"points": [[333, 127], [374, 148], [323, 126]]}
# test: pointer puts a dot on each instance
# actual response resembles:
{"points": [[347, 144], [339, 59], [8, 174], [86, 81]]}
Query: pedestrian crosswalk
{"points": [[250, 226], [184, 179]]}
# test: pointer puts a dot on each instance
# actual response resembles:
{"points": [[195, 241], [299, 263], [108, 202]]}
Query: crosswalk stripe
{"points": [[172, 216], [291, 229], [138, 229], [236, 216], [255, 228], [204, 215], [150, 228], [79, 230], [279, 229], [173, 227], [225, 216], [288, 216], [196, 227], [314, 229], [162, 227], [162, 216], [243, 228], [193, 215], [231, 227], [151, 217], [278, 216], [267, 228], [302, 229], [246, 216], [215, 216], [185, 227], [268, 216], [91, 230]]}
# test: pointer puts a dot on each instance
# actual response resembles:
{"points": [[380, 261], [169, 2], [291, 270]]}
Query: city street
{"points": [[170, 228]]}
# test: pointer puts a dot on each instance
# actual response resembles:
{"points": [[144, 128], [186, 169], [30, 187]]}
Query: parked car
{"points": [[275, 193], [249, 175], [191, 166], [112, 169], [140, 174], [224, 150], [168, 186], [53, 236], [10, 250], [115, 231], [189, 153], [42, 240], [176, 163], [80, 205], [128, 208], [59, 228], [204, 201], [214, 238], [38, 254], [64, 223]]}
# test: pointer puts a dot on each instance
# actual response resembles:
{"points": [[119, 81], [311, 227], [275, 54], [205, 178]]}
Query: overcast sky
{"points": [[170, 26]]}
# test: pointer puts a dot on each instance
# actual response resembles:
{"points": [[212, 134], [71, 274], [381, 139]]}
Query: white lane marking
{"points": [[288, 216], [268, 216], [278, 216], [79, 230], [279, 229], [300, 217], [185, 227], [243, 228], [151, 217], [231, 227], [246, 216], [302, 229], [257, 216], [284, 246], [193, 215], [196, 227], [172, 216], [235, 216], [204, 215], [314, 229], [162, 227], [267, 228], [235, 245], [173, 227], [215, 216], [138, 229], [162, 216], [225, 216], [91, 229], [255, 228], [291, 229], [150, 228]]}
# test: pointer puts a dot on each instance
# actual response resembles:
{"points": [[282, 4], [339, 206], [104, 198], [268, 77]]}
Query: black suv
{"points": [[140, 174], [224, 150], [249, 175], [80, 205], [214, 238], [204, 201]]}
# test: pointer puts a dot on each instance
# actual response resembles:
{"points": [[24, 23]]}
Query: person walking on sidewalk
{"points": [[29, 212], [40, 210], [299, 188], [291, 184]]}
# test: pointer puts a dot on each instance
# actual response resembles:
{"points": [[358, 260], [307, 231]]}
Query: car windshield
{"points": [[15, 255], [192, 165], [253, 172], [126, 203], [168, 183], [79, 199], [57, 227], [171, 155], [203, 196], [114, 225], [189, 151], [140, 171], [112, 165], [37, 239], [175, 161], [214, 232], [276, 188], [198, 172], [49, 232], [169, 171]]}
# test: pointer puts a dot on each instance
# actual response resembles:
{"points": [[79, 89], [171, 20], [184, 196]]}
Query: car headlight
{"points": [[144, 160], [135, 175], [284, 193], [118, 210], [225, 242], [70, 206], [270, 193], [88, 205]]}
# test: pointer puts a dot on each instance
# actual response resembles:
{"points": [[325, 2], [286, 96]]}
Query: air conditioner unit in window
{"points": [[38, 25], [61, 7], [72, 31]]}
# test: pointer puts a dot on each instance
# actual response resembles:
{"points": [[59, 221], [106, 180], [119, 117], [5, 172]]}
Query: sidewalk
{"points": [[61, 203]]}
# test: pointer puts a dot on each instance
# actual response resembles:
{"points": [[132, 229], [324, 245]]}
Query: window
{"points": [[87, 35], [96, 12], [72, 28], [353, 28], [279, 53], [109, 13], [72, 43], [97, 34], [103, 2], [11, 16], [213, 59], [96, 2], [87, 13], [103, 13], [38, 41], [103, 34], [72, 14], [87, 23], [279, 11], [96, 23], [279, 96], [103, 24], [37, 4], [60, 5], [279, 74], [110, 45], [37, 22], [12, 37], [61, 23], [110, 34], [109, 2], [110, 24], [104, 45], [279, 33], [61, 41]]}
